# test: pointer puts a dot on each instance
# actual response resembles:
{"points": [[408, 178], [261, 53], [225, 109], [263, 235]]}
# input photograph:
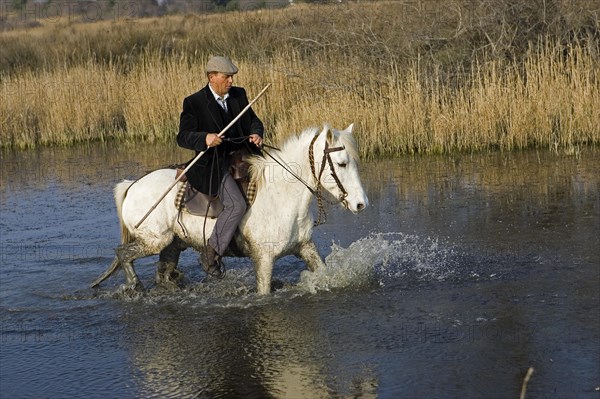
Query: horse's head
{"points": [[335, 163]]}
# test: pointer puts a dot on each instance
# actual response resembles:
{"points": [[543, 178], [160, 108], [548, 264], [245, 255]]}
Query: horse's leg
{"points": [[167, 273], [263, 268], [309, 254], [126, 254]]}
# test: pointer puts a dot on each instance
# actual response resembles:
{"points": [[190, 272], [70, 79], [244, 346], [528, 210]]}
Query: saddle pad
{"points": [[197, 203]]}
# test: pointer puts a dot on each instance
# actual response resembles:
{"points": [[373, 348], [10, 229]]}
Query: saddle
{"points": [[197, 203]]}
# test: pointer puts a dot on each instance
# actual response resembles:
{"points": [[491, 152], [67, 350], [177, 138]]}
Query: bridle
{"points": [[322, 218]]}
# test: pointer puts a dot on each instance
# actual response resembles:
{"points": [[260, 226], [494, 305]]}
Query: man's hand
{"points": [[256, 140], [213, 140]]}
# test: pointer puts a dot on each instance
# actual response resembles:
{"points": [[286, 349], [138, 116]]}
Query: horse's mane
{"points": [[292, 144]]}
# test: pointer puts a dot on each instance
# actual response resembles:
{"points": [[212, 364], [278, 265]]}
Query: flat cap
{"points": [[221, 64]]}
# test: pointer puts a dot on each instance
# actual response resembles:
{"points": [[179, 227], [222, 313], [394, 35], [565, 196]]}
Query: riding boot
{"points": [[211, 262]]}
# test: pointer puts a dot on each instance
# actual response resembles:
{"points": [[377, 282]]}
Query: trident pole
{"points": [[200, 155]]}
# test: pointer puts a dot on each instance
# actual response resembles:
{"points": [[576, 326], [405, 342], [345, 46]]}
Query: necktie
{"points": [[223, 103]]}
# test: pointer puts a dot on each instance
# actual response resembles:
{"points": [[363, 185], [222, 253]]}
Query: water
{"points": [[463, 273]]}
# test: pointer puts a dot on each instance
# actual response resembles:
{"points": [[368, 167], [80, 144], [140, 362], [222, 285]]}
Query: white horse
{"points": [[278, 223]]}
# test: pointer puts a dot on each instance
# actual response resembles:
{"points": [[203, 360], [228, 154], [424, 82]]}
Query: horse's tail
{"points": [[120, 193]]}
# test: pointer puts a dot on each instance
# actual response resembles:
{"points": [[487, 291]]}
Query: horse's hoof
{"points": [[168, 285], [169, 280], [277, 285], [176, 276], [132, 290]]}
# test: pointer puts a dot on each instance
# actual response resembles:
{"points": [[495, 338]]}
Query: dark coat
{"points": [[202, 115]]}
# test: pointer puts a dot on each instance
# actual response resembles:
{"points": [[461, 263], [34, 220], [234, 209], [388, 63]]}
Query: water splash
{"points": [[380, 259]]}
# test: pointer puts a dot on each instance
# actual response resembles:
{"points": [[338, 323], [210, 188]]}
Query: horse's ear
{"points": [[330, 135], [349, 128]]}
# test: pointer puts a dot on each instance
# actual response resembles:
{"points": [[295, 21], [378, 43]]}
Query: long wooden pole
{"points": [[200, 155]]}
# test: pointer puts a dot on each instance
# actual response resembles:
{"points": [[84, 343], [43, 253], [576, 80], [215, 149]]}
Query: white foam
{"points": [[379, 258], [346, 267]]}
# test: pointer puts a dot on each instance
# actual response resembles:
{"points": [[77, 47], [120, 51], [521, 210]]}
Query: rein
{"points": [[280, 163], [317, 192], [290, 171]]}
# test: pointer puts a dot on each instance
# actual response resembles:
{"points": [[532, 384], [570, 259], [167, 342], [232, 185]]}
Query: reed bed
{"points": [[547, 98]]}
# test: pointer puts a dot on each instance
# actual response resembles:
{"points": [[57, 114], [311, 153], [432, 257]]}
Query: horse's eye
{"points": [[342, 164]]}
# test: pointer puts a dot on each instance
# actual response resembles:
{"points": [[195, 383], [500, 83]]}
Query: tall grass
{"points": [[548, 98]]}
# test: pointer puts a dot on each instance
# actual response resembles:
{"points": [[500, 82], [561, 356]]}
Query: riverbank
{"points": [[413, 81]]}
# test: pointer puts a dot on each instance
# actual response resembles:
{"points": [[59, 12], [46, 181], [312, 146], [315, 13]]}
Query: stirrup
{"points": [[217, 269], [212, 264]]}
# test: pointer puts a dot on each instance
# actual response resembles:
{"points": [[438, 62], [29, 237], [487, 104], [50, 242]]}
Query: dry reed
{"points": [[547, 99]]}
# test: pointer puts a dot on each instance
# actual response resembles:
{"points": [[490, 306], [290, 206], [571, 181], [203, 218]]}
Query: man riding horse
{"points": [[204, 113], [327, 157]]}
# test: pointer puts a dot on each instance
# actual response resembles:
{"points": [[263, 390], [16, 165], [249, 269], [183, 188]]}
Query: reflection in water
{"points": [[504, 194], [269, 351], [75, 168], [464, 271], [545, 177]]}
